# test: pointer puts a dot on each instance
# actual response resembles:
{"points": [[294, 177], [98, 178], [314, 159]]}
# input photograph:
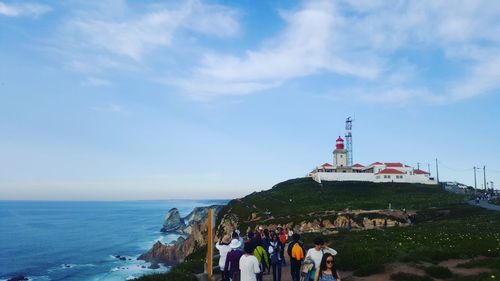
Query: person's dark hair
{"points": [[266, 233], [235, 235], [250, 235], [248, 248], [257, 241], [296, 237], [319, 241], [323, 266]]}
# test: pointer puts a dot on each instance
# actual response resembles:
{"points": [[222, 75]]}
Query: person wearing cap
{"points": [[316, 254], [224, 249], [232, 266]]}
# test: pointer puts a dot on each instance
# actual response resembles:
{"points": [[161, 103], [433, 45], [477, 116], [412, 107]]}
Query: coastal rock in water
{"points": [[197, 230], [173, 222]]}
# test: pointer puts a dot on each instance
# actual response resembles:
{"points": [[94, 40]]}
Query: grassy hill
{"points": [[296, 199], [445, 227]]}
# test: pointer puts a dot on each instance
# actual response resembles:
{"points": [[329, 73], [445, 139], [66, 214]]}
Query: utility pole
{"points": [[428, 168], [484, 174], [437, 171], [418, 166], [475, 181]]}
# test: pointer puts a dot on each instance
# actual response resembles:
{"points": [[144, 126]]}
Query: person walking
{"points": [[296, 252], [275, 249], [316, 254], [282, 236], [224, 249], [249, 265], [261, 255], [232, 266], [327, 269]]}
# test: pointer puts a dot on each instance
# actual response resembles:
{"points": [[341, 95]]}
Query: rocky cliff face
{"points": [[325, 222], [173, 222], [195, 225]]}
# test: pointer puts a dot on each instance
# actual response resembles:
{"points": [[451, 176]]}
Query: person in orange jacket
{"points": [[296, 253]]}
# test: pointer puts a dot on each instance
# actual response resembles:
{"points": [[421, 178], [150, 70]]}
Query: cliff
{"points": [[194, 224]]}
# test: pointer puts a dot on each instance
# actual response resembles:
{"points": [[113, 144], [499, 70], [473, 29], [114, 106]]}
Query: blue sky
{"points": [[112, 100]]}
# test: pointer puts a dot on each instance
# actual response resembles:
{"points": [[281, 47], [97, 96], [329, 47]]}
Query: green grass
{"points": [[294, 200], [432, 241], [369, 269], [493, 263], [402, 276], [479, 277], [438, 272]]}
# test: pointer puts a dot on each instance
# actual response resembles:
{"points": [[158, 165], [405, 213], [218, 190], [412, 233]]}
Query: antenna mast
{"points": [[348, 138]]}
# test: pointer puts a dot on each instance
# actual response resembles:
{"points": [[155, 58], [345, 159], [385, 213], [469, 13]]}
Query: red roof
{"points": [[358, 166], [376, 163], [394, 165], [420, 172], [390, 171], [340, 139], [327, 165]]}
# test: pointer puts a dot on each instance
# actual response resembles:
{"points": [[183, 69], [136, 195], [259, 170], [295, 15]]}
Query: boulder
{"points": [[173, 222]]}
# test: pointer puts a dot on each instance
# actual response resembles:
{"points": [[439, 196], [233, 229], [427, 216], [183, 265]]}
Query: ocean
{"points": [[80, 240]]}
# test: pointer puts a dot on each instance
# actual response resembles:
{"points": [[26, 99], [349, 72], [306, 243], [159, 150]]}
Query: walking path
{"points": [[486, 205]]}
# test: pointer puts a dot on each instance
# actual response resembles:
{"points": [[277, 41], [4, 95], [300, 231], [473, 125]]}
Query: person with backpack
{"points": [[296, 252], [261, 255], [275, 249], [316, 255], [232, 266], [327, 270]]}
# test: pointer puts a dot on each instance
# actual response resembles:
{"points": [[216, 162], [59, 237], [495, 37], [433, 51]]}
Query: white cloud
{"points": [[23, 9], [95, 82], [306, 47], [133, 35], [364, 40]]}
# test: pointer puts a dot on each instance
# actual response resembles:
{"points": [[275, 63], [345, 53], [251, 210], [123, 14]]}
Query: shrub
{"points": [[369, 269], [403, 276], [438, 272]]}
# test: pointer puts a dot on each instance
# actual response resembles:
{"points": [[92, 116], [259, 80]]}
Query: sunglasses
{"points": [[329, 261]]}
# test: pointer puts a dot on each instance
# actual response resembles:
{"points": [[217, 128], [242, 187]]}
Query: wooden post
{"points": [[210, 244]]}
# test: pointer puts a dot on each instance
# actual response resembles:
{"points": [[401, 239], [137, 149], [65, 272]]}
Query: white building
{"points": [[375, 172]]}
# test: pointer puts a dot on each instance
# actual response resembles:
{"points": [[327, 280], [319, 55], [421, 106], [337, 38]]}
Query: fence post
{"points": [[210, 244]]}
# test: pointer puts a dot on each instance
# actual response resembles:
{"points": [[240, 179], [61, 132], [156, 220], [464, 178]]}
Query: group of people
{"points": [[264, 251]]}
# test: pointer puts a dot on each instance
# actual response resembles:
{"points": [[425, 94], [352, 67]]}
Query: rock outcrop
{"points": [[173, 222], [196, 229]]}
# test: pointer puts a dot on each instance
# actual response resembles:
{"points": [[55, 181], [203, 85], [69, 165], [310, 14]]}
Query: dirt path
{"points": [[486, 205], [389, 270]]}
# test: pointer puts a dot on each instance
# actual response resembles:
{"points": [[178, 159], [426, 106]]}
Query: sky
{"points": [[137, 100]]}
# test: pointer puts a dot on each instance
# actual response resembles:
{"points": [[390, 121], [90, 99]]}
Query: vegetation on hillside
{"points": [[299, 199], [444, 226]]}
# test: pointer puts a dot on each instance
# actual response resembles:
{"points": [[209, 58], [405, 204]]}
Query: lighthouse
{"points": [[340, 154]]}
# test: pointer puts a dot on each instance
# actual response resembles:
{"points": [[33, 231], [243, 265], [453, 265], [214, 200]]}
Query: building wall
{"points": [[405, 178], [340, 158]]}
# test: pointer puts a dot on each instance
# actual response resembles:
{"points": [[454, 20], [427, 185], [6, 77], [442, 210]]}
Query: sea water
{"points": [[80, 240]]}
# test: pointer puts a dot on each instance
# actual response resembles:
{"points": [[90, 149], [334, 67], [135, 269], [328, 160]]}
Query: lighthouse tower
{"points": [[340, 154]]}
